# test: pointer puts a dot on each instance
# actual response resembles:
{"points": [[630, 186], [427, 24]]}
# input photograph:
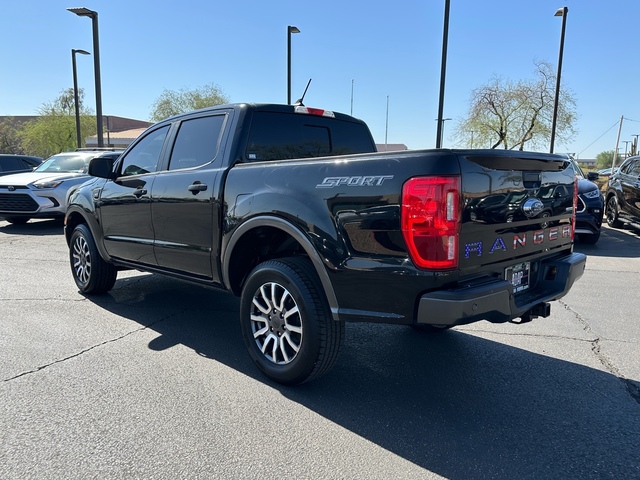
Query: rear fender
{"points": [[295, 233]]}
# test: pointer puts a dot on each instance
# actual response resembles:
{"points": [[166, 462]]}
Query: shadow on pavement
{"points": [[453, 403], [33, 227], [614, 242]]}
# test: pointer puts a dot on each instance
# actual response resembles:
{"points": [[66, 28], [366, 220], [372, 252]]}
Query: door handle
{"points": [[138, 192], [197, 187]]}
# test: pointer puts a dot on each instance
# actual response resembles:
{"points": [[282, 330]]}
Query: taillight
{"points": [[431, 221]]}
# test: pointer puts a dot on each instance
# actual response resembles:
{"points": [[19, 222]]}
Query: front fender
{"points": [[81, 209]]}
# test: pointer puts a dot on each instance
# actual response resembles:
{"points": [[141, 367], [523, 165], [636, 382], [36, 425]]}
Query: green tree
{"points": [[9, 137], [512, 114], [605, 159], [54, 131], [173, 102]]}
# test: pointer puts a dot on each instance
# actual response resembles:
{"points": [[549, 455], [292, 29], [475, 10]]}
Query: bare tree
{"points": [[512, 115]]}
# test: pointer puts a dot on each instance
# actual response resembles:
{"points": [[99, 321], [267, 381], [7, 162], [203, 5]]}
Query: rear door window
{"points": [[197, 142], [278, 136]]}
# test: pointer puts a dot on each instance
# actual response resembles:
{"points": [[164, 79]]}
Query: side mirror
{"points": [[593, 176], [102, 167]]}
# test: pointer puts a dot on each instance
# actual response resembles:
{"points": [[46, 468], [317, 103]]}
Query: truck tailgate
{"points": [[517, 207]]}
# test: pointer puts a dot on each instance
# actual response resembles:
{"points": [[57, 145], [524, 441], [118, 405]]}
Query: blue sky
{"points": [[381, 48]]}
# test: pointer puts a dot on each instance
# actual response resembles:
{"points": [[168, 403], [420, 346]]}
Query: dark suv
{"points": [[590, 206], [623, 194], [10, 163]]}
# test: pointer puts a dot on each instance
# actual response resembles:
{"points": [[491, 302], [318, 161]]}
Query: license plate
{"points": [[518, 275]]}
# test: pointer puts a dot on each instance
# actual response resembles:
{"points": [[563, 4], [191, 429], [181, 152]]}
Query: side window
{"points": [[634, 169], [197, 142], [144, 156], [626, 167], [12, 163]]}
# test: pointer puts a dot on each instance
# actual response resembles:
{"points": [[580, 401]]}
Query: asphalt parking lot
{"points": [[153, 381]]}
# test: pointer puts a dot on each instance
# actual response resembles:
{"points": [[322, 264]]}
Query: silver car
{"points": [[42, 193]]}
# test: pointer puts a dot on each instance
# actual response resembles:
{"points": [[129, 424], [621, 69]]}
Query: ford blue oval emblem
{"points": [[532, 207]]}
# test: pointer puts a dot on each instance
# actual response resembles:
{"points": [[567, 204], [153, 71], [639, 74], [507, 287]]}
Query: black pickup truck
{"points": [[292, 209]]}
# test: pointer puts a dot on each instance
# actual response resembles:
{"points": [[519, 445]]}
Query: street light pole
{"points": [[75, 92], [561, 12], [290, 29], [443, 71], [85, 12], [441, 129]]}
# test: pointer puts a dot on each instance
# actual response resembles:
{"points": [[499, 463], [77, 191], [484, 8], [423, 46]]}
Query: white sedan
{"points": [[42, 193]]}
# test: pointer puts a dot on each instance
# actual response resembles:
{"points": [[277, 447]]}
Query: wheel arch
{"points": [[75, 217], [263, 238]]}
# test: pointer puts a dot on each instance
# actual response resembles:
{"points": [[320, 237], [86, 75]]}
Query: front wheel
{"points": [[286, 322], [91, 273], [613, 218]]}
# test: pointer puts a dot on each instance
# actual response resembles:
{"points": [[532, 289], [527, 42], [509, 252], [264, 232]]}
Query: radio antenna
{"points": [[299, 101]]}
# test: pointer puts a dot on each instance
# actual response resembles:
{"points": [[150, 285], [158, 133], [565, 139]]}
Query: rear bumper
{"points": [[496, 301]]}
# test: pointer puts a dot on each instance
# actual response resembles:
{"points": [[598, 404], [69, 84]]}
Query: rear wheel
{"points": [[286, 322], [613, 218], [17, 220], [91, 273]]}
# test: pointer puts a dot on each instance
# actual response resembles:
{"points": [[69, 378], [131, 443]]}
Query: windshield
{"points": [[64, 164], [577, 169]]}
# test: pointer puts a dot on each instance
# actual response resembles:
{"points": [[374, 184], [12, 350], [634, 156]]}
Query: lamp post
{"points": [[561, 12], [290, 29], [441, 130], [85, 12], [443, 70], [75, 92]]}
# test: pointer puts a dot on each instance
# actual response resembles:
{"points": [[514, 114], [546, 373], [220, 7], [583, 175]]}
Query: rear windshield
{"points": [[278, 136]]}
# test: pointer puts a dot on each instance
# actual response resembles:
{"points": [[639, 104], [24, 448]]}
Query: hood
{"points": [[585, 185], [27, 178]]}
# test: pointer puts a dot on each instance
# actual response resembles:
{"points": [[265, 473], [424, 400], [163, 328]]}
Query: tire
{"points": [[286, 322], [17, 220], [613, 218], [91, 273]]}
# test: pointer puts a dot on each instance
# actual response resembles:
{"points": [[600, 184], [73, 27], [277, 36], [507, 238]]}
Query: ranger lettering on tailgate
{"points": [[519, 240]]}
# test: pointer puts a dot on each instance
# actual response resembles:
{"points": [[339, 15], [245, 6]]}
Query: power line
{"points": [[616, 123]]}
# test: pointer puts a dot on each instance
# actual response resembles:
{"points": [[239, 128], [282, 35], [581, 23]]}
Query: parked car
{"points": [[10, 163], [292, 209], [606, 172], [42, 193], [623, 194], [514, 206], [590, 206]]}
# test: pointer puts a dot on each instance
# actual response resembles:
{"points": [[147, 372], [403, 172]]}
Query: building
{"points": [[120, 131], [390, 147], [116, 139]]}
